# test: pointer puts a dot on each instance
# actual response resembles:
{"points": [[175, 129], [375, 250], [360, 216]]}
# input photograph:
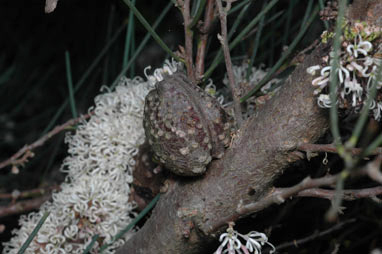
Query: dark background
{"points": [[33, 85]]}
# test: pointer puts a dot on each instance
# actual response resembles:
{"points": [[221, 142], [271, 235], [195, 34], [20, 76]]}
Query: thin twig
{"points": [[348, 195], [29, 193], [277, 196], [25, 153], [202, 45], [224, 41], [306, 188], [188, 35], [330, 148], [315, 235], [372, 169], [23, 206]]}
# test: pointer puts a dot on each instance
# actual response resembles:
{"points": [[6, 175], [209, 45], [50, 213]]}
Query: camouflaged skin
{"points": [[185, 126]]}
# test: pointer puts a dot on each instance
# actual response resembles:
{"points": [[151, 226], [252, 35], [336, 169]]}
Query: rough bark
{"points": [[193, 211]]}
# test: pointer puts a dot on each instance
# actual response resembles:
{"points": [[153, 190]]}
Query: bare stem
{"points": [[307, 188], [22, 156], [330, 148], [224, 41], [348, 195], [23, 206], [29, 193], [188, 36], [202, 44], [315, 235]]}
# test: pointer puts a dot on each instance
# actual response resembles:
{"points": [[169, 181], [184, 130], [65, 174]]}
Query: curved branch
{"points": [[191, 210]]}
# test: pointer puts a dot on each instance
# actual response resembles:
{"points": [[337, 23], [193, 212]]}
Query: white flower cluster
{"points": [[94, 199], [359, 61], [231, 242], [168, 68]]}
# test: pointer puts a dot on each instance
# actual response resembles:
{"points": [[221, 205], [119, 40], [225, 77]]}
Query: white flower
{"points": [[368, 61], [94, 199], [353, 65], [322, 80], [312, 69], [352, 86], [230, 240], [356, 73], [373, 78], [168, 68], [211, 90], [341, 71], [363, 47], [377, 111], [324, 101], [71, 231], [231, 243], [366, 74], [255, 241]]}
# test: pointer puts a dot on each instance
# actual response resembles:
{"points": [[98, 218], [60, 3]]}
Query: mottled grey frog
{"points": [[185, 126]]}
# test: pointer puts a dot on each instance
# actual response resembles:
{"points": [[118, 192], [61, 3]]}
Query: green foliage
{"points": [[34, 233]]}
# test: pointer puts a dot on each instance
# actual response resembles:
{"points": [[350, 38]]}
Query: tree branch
{"points": [[22, 156], [347, 194], [228, 63], [202, 45], [330, 148], [189, 214], [29, 193], [23, 206], [188, 36], [190, 211], [315, 235]]}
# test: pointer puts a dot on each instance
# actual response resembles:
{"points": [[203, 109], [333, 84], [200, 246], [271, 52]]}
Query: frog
{"points": [[185, 126]]}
